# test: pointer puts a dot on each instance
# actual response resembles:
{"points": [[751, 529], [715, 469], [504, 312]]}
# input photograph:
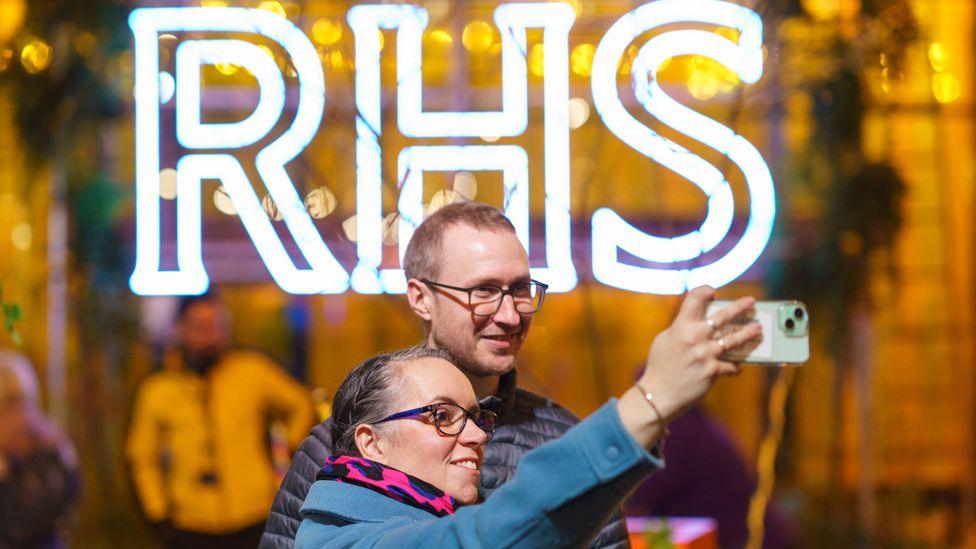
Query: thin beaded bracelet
{"points": [[650, 400]]}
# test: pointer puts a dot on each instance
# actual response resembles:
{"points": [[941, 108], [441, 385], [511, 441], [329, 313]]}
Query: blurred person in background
{"points": [[198, 440], [38, 465], [706, 476]]}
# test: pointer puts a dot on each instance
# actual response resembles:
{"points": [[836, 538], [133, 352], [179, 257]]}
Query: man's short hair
{"points": [[422, 260]]}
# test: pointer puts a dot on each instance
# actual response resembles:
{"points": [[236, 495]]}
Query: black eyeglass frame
{"points": [[502, 293], [468, 414]]}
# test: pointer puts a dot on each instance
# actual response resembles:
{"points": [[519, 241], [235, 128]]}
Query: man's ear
{"points": [[419, 299], [369, 444]]}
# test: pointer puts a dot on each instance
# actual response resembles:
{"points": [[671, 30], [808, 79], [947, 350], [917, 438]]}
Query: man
{"points": [[468, 281], [197, 443]]}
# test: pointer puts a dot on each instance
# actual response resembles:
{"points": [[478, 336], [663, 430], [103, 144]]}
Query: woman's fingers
{"points": [[724, 368], [747, 333], [695, 305], [737, 308]]}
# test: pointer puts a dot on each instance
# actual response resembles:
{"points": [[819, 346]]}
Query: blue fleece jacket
{"points": [[562, 494]]}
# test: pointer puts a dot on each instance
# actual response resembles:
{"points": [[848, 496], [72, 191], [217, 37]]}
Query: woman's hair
{"points": [[369, 393], [17, 379]]}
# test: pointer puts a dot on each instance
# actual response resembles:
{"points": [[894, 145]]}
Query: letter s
{"points": [[609, 231]]}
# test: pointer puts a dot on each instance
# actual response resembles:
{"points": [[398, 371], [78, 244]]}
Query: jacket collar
{"points": [[502, 402], [356, 503]]}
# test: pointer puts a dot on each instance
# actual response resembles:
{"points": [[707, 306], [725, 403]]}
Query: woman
{"points": [[408, 437]]}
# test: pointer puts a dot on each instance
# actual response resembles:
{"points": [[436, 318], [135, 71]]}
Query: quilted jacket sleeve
{"points": [[283, 522]]}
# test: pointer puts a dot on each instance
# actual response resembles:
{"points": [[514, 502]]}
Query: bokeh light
{"points": [[443, 198], [579, 112], [708, 78], [226, 69], [270, 208], [391, 229], [336, 60], [945, 87], [349, 228], [441, 37], [167, 87], [223, 202], [12, 16], [167, 183], [581, 59], [274, 7], [466, 185], [326, 31], [478, 37], [938, 56], [85, 44], [320, 202], [6, 54], [537, 62], [36, 56], [822, 10], [21, 236]]}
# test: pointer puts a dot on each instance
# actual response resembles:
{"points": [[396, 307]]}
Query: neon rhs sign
{"points": [[211, 145]]}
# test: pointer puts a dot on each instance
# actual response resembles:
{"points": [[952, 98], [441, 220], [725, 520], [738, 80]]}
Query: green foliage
{"points": [[659, 538], [83, 86], [11, 315]]}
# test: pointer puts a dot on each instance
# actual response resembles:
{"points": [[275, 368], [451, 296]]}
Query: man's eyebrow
{"points": [[500, 283]]}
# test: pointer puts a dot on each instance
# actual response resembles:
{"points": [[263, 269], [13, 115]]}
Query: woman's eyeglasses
{"points": [[450, 419]]}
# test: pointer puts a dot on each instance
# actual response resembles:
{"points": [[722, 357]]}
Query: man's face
{"points": [[480, 345], [203, 333]]}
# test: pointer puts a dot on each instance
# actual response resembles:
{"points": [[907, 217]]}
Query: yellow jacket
{"points": [[197, 445]]}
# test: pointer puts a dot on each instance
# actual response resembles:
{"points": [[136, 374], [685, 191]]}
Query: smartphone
{"points": [[785, 333]]}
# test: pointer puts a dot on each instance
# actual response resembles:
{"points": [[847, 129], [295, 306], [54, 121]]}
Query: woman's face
{"points": [[414, 446]]}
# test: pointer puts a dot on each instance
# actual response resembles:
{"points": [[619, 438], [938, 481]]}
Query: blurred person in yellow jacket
{"points": [[198, 440]]}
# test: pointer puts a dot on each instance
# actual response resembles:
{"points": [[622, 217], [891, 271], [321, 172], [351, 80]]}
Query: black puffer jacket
{"points": [[526, 420]]}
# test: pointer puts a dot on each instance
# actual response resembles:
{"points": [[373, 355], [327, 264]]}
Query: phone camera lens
{"points": [[798, 313], [790, 324]]}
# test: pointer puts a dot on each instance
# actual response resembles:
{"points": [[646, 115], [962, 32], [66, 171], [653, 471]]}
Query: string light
{"points": [[167, 184], [6, 54], [21, 236], [466, 184], [938, 56], [223, 202], [13, 13], [320, 202], [478, 37], [274, 7], [326, 31], [441, 37], [945, 87], [579, 112], [36, 56], [581, 60], [537, 61]]}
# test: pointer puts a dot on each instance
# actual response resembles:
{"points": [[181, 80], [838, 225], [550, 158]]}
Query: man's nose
{"points": [[506, 313]]}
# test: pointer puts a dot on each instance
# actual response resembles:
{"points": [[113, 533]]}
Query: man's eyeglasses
{"points": [[450, 419], [486, 299]]}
